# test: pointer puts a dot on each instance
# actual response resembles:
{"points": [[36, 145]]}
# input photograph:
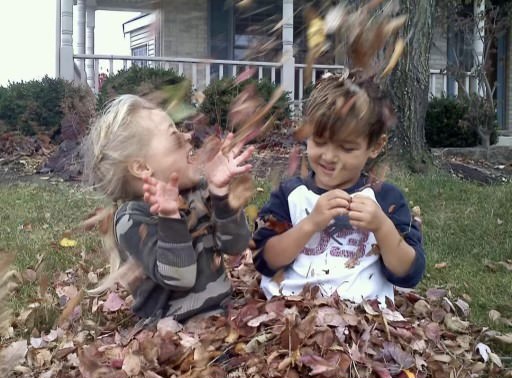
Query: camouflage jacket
{"points": [[181, 258]]}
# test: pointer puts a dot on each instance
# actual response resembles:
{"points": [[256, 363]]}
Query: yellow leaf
{"points": [[65, 242], [409, 374], [252, 212], [316, 33], [397, 53]]}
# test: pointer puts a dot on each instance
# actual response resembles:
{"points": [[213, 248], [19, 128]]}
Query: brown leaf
{"points": [[113, 302], [441, 265], [241, 190], [70, 307]]}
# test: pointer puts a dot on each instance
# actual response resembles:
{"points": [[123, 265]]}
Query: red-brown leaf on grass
{"points": [[434, 293], [113, 303]]}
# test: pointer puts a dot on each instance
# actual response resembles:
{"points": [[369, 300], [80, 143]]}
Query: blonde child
{"points": [[336, 228], [174, 224]]}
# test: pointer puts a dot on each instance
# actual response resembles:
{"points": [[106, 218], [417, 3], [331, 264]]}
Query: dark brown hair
{"points": [[341, 105]]}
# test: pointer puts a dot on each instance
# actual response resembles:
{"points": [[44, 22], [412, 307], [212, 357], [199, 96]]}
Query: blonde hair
{"points": [[116, 137]]}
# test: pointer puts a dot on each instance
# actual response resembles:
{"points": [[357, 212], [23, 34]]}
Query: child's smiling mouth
{"points": [[327, 168]]}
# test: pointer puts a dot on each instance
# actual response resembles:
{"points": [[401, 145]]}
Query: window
{"points": [[140, 51]]}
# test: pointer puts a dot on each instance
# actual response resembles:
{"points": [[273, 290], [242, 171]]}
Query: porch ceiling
{"points": [[127, 5]]}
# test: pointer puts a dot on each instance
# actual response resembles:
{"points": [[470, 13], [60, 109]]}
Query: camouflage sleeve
{"points": [[162, 246], [232, 232]]}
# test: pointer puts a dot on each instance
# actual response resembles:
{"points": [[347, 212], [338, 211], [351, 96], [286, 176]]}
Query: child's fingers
{"points": [[154, 209], [244, 155], [338, 202], [243, 169], [149, 189]]}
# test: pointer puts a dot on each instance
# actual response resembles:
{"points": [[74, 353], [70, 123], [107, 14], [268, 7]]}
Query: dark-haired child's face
{"points": [[339, 163]]}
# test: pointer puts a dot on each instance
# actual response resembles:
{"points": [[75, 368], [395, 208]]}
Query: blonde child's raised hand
{"points": [[329, 205], [366, 214], [162, 197], [220, 170]]}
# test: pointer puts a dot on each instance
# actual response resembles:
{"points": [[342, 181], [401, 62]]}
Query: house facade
{"points": [[208, 39]]}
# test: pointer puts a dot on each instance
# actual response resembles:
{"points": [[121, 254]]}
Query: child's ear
{"points": [[378, 146], [139, 169]]}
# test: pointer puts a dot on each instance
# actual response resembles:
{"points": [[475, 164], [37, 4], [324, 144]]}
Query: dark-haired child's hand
{"points": [[329, 205], [225, 165], [162, 197], [365, 213]]}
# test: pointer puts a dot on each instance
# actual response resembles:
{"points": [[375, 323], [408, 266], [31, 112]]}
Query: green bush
{"points": [[137, 80], [452, 122], [220, 94], [38, 106]]}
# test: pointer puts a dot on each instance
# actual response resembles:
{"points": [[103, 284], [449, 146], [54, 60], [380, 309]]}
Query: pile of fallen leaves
{"points": [[297, 336]]}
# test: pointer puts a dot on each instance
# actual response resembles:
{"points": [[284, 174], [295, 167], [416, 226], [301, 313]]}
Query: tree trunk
{"points": [[409, 84]]}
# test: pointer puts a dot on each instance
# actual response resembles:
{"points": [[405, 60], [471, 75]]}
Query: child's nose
{"points": [[329, 153], [188, 136]]}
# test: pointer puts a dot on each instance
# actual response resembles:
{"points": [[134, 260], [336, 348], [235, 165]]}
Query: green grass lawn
{"points": [[465, 225]]}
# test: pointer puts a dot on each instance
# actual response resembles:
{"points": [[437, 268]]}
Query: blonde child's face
{"points": [[338, 164], [169, 150]]}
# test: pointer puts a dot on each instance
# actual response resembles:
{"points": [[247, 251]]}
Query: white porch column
{"points": [[288, 70], [478, 40], [66, 38], [80, 43], [89, 48]]}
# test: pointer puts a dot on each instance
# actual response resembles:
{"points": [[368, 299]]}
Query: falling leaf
{"points": [[252, 212], [67, 312], [241, 190], [245, 75], [65, 242], [293, 161], [397, 53]]}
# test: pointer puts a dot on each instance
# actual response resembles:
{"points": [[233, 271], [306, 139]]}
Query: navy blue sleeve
{"points": [[273, 219], [395, 206]]}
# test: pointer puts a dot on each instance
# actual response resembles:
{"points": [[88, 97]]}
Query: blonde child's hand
{"points": [[162, 197], [365, 213], [329, 205], [224, 166]]}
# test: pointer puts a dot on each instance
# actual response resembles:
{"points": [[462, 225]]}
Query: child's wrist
{"points": [[218, 190]]}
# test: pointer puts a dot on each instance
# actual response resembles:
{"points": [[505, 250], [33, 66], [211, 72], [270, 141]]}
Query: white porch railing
{"points": [[199, 71], [202, 71], [439, 83]]}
